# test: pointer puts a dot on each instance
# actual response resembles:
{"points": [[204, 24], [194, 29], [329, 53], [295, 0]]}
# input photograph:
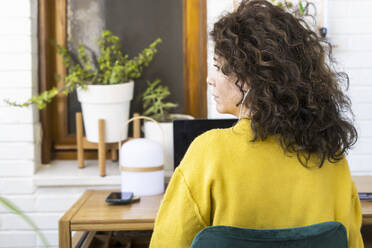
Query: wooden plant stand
{"points": [[101, 146]]}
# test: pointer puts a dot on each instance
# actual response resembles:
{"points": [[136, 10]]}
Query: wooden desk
{"points": [[367, 212], [91, 213]]}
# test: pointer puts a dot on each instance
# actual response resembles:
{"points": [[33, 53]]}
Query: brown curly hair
{"points": [[295, 94]]}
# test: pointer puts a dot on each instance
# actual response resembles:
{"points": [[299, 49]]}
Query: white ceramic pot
{"points": [[108, 102], [152, 132]]}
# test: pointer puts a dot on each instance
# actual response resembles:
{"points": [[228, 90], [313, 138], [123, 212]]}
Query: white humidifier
{"points": [[142, 167]]}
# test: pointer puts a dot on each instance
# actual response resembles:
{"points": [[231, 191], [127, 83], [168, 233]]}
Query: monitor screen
{"points": [[185, 131]]}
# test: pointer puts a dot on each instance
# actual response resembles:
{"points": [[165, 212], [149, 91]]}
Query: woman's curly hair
{"points": [[295, 93]]}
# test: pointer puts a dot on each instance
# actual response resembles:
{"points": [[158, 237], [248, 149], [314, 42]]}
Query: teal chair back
{"points": [[324, 235]]}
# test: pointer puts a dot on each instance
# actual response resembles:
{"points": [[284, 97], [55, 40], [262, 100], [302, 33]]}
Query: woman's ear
{"points": [[245, 85], [242, 84]]}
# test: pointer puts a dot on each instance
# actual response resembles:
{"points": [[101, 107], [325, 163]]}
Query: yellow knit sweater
{"points": [[224, 179]]}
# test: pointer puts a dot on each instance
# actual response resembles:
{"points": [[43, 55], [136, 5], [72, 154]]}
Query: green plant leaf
{"points": [[111, 67], [169, 105], [153, 101], [12, 207], [301, 7]]}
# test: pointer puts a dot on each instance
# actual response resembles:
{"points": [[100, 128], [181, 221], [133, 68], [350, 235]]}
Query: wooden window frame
{"points": [[52, 25]]}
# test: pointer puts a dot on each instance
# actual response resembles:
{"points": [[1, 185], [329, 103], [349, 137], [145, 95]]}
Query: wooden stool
{"points": [[84, 144]]}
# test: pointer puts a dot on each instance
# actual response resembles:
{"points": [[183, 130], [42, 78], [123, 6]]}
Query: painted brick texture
{"points": [[350, 29]]}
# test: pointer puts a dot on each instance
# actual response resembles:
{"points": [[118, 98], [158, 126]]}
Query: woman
{"points": [[283, 164]]}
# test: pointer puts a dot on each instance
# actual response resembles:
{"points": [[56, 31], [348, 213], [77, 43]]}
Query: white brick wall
{"points": [[18, 239], [45, 221], [350, 28], [215, 8], [51, 236], [24, 203], [20, 128]]}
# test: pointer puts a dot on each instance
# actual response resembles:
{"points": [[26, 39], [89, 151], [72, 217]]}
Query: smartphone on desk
{"points": [[121, 198]]}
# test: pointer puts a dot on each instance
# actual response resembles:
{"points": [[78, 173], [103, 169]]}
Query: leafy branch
{"points": [[300, 9], [111, 67], [153, 101], [17, 211]]}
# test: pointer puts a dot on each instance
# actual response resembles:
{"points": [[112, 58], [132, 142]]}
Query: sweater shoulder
{"points": [[201, 149], [209, 136], [209, 142]]}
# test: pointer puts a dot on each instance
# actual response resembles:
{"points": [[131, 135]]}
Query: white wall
{"points": [[19, 144], [20, 134], [350, 29], [215, 8]]}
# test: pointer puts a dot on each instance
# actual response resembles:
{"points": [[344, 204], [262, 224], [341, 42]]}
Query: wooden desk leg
{"points": [[64, 224], [102, 148], [64, 233]]}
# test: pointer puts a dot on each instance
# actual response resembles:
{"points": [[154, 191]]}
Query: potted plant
{"points": [[156, 107], [302, 8], [104, 85], [306, 10]]}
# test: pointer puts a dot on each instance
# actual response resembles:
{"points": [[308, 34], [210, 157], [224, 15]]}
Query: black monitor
{"points": [[185, 131]]}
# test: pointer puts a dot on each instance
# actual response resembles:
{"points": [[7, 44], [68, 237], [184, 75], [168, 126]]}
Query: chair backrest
{"points": [[323, 235]]}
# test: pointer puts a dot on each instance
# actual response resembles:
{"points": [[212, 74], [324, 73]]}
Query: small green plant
{"points": [[153, 101], [111, 67], [17, 211], [300, 9]]}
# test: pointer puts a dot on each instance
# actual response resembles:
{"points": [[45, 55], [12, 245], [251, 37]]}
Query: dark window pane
{"points": [[137, 23]]}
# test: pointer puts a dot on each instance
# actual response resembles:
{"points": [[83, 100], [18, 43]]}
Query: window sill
{"points": [[67, 173]]}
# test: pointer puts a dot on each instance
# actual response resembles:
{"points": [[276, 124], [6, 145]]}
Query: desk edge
{"points": [[64, 228]]}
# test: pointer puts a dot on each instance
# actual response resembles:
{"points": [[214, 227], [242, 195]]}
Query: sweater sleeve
{"points": [[178, 219], [355, 236]]}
